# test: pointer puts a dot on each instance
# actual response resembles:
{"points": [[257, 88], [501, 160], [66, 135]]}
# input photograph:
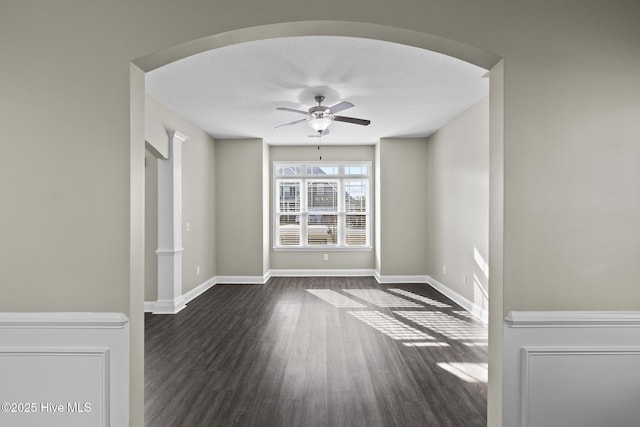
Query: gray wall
{"points": [[338, 260], [403, 207], [199, 202], [239, 205], [198, 198], [458, 220], [150, 227], [72, 225]]}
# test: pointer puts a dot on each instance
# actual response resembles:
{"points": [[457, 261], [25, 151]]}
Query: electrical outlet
{"points": [[198, 270], [188, 226], [444, 269], [326, 257]]}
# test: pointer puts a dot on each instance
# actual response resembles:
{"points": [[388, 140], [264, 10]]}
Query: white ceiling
{"points": [[233, 92]]}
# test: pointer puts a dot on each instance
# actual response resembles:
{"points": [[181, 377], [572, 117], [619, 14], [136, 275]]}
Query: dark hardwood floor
{"points": [[316, 352]]}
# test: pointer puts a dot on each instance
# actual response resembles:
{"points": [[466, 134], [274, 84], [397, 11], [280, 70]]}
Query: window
{"points": [[322, 205]]}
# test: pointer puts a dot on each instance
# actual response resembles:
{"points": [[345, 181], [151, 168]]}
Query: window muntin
{"points": [[322, 196], [356, 170], [356, 193], [287, 170], [322, 205], [323, 170], [289, 196]]}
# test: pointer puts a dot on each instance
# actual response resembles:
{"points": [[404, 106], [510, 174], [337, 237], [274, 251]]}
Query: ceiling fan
{"points": [[320, 117]]}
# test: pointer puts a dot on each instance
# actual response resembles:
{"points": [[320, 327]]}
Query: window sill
{"points": [[323, 249]]}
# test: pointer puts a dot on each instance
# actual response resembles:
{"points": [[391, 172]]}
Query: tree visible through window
{"points": [[322, 205]]}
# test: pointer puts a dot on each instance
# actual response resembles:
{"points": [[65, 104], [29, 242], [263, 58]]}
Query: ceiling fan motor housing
{"points": [[319, 111]]}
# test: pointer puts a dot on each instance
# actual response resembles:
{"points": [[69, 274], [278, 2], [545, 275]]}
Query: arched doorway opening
{"points": [[464, 52]]}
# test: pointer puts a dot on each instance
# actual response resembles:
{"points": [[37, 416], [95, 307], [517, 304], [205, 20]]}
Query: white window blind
{"points": [[289, 212], [322, 205], [356, 193]]}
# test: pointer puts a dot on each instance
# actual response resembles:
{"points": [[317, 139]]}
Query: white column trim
{"points": [[170, 299], [169, 251], [177, 136]]}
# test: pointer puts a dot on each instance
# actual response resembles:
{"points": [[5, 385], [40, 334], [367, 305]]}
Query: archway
{"points": [[452, 48]]}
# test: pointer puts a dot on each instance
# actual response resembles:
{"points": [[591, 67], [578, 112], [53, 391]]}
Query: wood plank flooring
{"points": [[316, 352]]}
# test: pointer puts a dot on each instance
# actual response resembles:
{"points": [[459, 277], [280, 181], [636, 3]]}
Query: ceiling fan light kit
{"points": [[320, 117], [320, 124]]}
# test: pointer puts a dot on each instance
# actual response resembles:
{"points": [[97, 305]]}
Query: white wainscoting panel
{"points": [[64, 369], [569, 369]]}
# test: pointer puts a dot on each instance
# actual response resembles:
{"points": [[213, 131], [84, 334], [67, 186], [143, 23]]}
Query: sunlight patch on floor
{"points": [[335, 299], [464, 314], [476, 344], [426, 344], [389, 326], [420, 298], [381, 298], [469, 372], [444, 324]]}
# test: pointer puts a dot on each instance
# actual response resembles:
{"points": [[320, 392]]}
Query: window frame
{"points": [[305, 178]]}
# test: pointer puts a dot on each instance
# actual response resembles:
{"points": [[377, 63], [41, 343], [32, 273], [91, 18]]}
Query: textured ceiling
{"points": [[233, 92]]}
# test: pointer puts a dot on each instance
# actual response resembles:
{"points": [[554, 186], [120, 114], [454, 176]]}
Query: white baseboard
{"points": [[168, 306], [180, 303], [78, 360], [245, 280], [585, 360], [358, 272], [199, 290], [388, 279], [149, 306], [479, 312]]}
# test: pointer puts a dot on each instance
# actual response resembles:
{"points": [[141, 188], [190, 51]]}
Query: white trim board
{"points": [[63, 320], [387, 279], [158, 307], [168, 306], [244, 280], [199, 290], [525, 319], [321, 273], [463, 302]]}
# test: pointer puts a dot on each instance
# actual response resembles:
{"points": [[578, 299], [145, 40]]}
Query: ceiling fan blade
{"points": [[340, 106], [353, 120], [291, 110], [290, 123]]}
